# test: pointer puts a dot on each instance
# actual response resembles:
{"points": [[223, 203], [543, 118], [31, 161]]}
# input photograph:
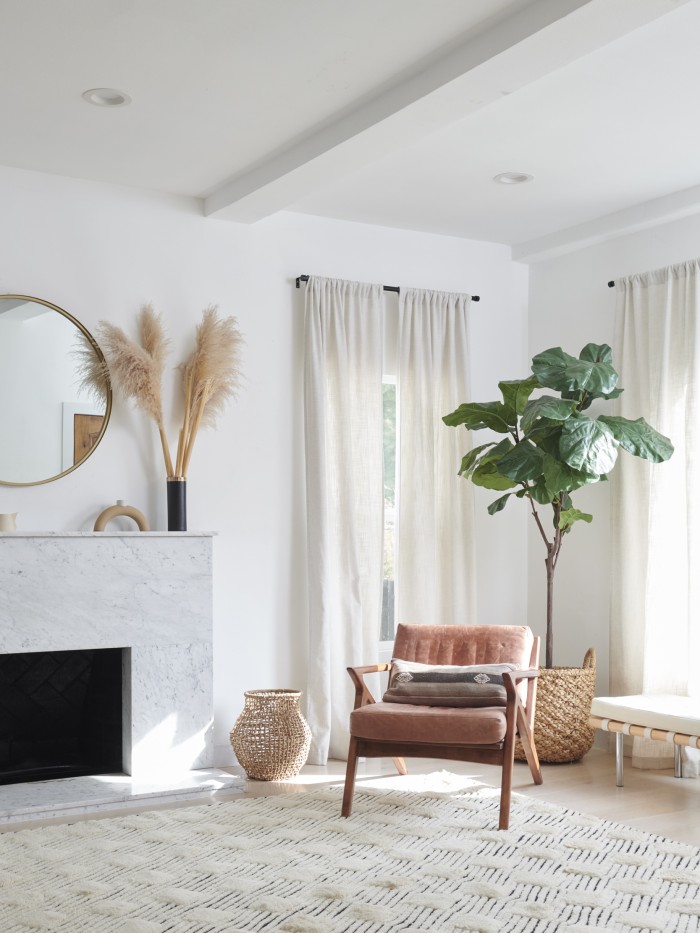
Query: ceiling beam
{"points": [[540, 38], [639, 217]]}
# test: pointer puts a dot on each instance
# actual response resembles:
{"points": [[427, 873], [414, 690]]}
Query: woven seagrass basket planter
{"points": [[564, 696], [271, 738]]}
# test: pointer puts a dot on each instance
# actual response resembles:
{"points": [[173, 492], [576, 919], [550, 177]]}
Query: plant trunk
{"points": [[549, 641]]}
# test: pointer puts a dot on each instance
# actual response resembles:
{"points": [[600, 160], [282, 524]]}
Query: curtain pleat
{"points": [[345, 498], [655, 607], [435, 581]]}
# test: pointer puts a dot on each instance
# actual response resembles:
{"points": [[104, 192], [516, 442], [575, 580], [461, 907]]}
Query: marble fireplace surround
{"points": [[147, 592]]}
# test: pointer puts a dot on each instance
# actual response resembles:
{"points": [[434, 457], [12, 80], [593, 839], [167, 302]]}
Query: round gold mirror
{"points": [[55, 397]]}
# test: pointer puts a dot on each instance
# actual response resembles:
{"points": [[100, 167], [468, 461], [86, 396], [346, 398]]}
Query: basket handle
{"points": [[589, 659]]}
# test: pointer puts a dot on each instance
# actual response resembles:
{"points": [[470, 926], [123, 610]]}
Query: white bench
{"points": [[662, 717]]}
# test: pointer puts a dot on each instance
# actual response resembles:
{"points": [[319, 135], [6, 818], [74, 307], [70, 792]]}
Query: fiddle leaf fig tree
{"points": [[550, 446]]}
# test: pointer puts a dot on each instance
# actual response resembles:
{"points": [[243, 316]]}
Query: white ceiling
{"points": [[394, 112]]}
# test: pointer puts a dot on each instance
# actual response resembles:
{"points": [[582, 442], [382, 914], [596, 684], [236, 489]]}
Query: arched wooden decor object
{"points": [[115, 510]]}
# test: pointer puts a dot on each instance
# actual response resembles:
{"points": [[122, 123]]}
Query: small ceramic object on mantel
{"points": [[8, 521], [121, 509]]}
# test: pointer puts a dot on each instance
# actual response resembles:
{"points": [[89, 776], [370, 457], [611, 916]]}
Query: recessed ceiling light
{"points": [[106, 97], [512, 178]]}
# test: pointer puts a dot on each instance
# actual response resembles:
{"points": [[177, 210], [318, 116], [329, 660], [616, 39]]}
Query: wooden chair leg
{"points": [[507, 768], [350, 774], [529, 747], [506, 787], [400, 765]]}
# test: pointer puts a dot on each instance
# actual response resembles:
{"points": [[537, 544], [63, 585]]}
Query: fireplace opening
{"points": [[60, 714]]}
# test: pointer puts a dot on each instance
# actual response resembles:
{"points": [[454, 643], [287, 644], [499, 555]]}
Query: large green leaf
{"points": [[485, 472], [539, 492], [588, 445], [550, 368], [639, 438], [596, 353], [616, 393], [469, 460], [499, 504], [594, 378], [477, 415], [524, 462], [516, 392], [488, 476], [500, 450], [558, 370], [546, 435], [560, 478], [547, 406]]}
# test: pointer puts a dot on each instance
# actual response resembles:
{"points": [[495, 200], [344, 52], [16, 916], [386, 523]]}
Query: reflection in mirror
{"points": [[55, 398]]}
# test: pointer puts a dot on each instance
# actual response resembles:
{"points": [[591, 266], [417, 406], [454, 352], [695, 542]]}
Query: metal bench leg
{"points": [[619, 758], [677, 761]]}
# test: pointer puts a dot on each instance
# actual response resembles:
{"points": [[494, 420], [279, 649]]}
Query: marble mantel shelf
{"points": [[107, 534]]}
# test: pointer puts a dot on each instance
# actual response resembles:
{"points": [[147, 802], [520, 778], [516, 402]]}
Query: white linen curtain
{"points": [[655, 635], [345, 498], [435, 553]]}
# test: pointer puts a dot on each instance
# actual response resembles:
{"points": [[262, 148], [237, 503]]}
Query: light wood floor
{"points": [[654, 801]]}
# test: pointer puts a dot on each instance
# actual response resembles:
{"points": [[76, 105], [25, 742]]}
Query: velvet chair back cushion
{"points": [[464, 644]]}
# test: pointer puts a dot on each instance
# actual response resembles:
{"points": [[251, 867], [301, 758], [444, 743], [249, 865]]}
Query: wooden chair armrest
{"points": [[524, 711], [362, 694], [512, 678], [522, 675], [369, 669]]}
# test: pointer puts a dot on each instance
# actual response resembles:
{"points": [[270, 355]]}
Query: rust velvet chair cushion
{"points": [[397, 722]]}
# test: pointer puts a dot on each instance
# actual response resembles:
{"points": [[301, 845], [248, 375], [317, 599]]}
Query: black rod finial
{"points": [[611, 284]]}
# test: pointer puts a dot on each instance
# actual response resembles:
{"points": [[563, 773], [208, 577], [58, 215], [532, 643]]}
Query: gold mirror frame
{"points": [[108, 402]]}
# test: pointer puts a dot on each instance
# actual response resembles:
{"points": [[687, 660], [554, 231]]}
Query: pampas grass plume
{"points": [[133, 370], [211, 374], [153, 338], [92, 369], [211, 377], [137, 371]]}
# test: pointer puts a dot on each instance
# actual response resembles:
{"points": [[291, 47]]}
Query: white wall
{"points": [[100, 252], [571, 305]]}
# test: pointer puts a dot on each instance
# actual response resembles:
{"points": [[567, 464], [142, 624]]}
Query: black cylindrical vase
{"points": [[177, 504]]}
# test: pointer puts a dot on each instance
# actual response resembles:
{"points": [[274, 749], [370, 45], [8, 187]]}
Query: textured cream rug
{"points": [[405, 862]]}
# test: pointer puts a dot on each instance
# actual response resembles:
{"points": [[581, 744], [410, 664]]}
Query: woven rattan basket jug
{"points": [[271, 738], [564, 696]]}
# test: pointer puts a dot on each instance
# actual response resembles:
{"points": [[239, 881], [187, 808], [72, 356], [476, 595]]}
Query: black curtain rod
{"points": [[387, 288], [611, 285]]}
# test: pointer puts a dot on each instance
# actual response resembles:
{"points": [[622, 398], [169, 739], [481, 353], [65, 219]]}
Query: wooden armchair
{"points": [[424, 726]]}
